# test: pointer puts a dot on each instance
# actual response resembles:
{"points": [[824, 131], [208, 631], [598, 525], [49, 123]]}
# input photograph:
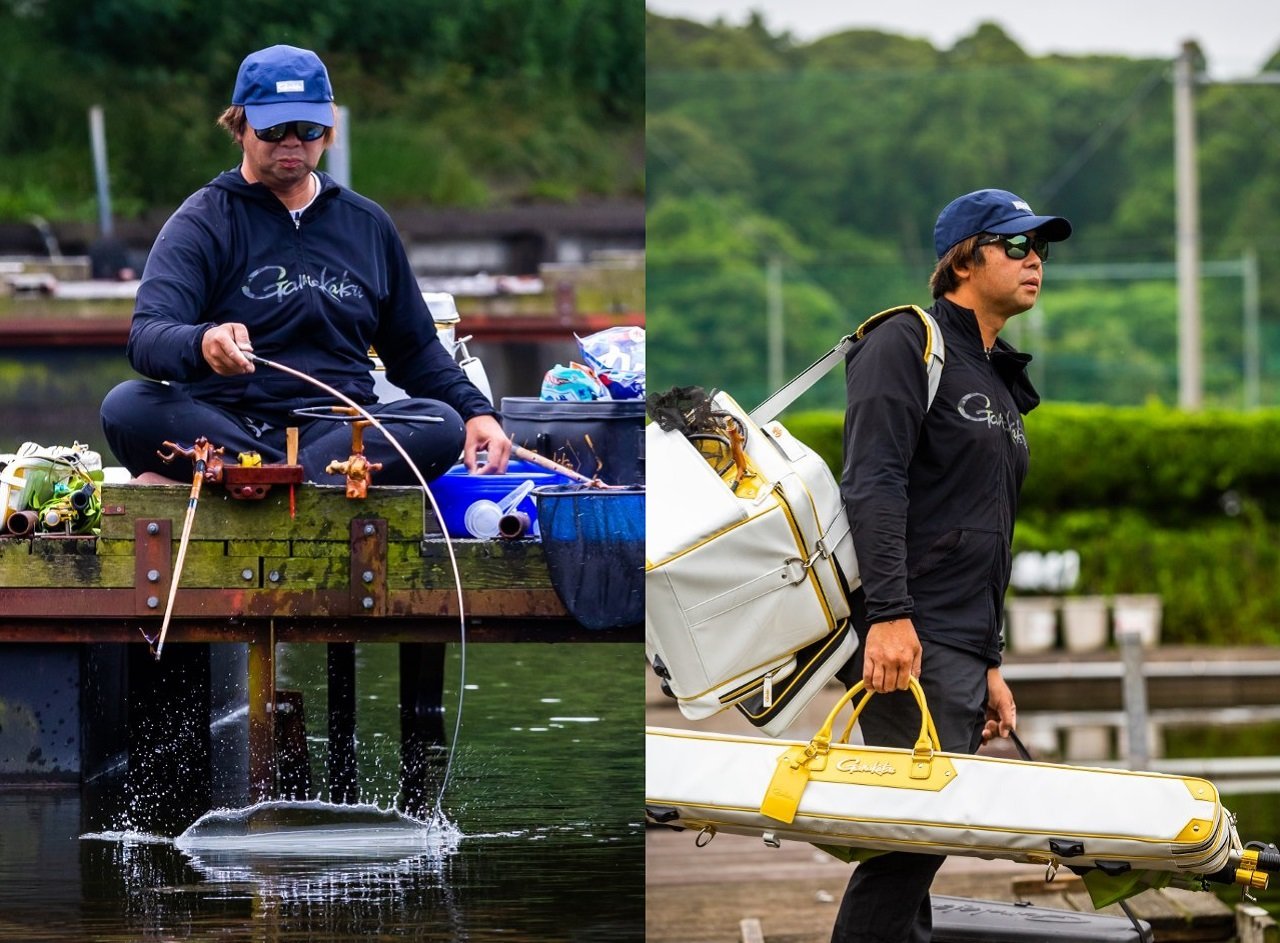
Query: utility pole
{"points": [[98, 142], [338, 156], [1190, 374], [775, 332]]}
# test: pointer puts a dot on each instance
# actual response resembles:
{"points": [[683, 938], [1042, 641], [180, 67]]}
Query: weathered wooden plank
{"points": [[257, 548], [323, 512], [1255, 925], [213, 572], [64, 571], [485, 564], [116, 547], [306, 572], [1179, 915]]}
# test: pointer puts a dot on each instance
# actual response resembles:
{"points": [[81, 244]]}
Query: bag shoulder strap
{"points": [[935, 348], [934, 356]]}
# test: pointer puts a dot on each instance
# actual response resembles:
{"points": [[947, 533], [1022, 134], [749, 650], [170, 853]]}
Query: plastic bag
{"points": [[574, 383], [614, 350]]}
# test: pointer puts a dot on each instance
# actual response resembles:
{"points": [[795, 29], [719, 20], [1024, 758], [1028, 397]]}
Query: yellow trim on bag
{"points": [[871, 841], [875, 319], [835, 637], [763, 510], [1196, 828], [860, 766], [1201, 789], [818, 588]]}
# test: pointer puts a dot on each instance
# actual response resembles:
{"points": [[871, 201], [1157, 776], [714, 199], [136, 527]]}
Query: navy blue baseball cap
{"points": [[283, 83], [993, 211]]}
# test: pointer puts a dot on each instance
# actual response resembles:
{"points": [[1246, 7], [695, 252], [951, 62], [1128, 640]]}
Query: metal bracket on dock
{"points": [[369, 566], [152, 566]]}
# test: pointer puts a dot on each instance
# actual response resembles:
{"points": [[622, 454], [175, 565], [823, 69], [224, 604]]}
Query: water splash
{"points": [[279, 827]]}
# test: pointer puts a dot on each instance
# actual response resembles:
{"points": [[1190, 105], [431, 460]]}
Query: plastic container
{"points": [[484, 517], [28, 476], [444, 312], [457, 490], [593, 541], [602, 438]]}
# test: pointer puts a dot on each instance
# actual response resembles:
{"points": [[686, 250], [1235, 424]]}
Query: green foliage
{"points": [[1155, 500], [1216, 578], [855, 141], [500, 99]]}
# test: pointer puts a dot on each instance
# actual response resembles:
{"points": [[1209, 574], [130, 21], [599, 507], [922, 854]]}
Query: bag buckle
{"points": [[795, 571], [921, 760]]}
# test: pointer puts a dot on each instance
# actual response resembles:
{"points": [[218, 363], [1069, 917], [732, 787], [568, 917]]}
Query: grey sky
{"points": [[1237, 36]]}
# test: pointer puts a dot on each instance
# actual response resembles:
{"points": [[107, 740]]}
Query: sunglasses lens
{"points": [[305, 130], [1016, 247]]}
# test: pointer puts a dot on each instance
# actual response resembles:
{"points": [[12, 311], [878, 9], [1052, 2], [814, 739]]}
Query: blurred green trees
{"points": [[451, 103], [852, 144]]}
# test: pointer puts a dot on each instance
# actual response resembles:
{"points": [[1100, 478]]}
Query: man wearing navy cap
{"points": [[276, 258], [931, 490]]}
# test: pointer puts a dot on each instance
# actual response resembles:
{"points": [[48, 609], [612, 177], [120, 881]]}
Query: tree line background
{"points": [[454, 104], [831, 159]]}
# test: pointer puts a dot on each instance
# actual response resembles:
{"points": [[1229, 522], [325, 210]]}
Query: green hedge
{"points": [[1155, 500]]}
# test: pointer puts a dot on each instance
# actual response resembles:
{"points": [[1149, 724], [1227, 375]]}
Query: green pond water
{"points": [[546, 792]]}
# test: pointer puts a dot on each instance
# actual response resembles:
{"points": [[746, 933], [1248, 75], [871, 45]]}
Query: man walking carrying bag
{"points": [[931, 493]]}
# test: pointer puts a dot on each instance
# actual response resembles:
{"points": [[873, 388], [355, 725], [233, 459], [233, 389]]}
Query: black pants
{"points": [[887, 900], [138, 415]]}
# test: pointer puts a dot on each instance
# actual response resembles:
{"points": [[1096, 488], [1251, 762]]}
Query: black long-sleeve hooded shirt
{"points": [[315, 295], [932, 493]]}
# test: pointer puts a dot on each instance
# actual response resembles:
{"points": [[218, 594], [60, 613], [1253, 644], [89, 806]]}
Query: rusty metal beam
{"points": [[71, 602], [311, 629]]}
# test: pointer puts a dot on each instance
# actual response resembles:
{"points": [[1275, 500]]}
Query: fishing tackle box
{"points": [[597, 438]]}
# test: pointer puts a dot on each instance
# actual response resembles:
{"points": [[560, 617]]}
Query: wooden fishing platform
{"points": [[315, 568], [335, 570]]}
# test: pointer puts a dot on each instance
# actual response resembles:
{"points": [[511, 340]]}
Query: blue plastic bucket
{"points": [[593, 541], [457, 489]]}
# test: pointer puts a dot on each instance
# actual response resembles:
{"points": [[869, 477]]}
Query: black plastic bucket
{"points": [[593, 541], [600, 439]]}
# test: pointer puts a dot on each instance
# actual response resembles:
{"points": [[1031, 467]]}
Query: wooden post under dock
{"points": [[328, 569]]}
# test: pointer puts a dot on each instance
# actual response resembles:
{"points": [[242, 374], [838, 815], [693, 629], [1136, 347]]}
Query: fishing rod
{"points": [[200, 451], [438, 815], [520, 452]]}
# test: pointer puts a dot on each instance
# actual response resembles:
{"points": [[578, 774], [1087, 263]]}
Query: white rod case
{"points": [[924, 800]]}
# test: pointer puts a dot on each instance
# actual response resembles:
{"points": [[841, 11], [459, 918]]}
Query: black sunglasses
{"points": [[305, 130], [1017, 247]]}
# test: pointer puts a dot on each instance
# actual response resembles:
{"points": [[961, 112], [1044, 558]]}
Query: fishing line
{"points": [[438, 815]]}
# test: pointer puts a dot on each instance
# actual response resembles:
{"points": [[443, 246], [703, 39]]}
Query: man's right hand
{"points": [[891, 657], [223, 348]]}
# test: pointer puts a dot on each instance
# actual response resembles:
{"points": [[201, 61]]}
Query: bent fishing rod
{"points": [[438, 814], [201, 454]]}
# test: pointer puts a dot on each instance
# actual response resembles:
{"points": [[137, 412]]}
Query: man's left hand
{"points": [[484, 433], [1002, 713]]}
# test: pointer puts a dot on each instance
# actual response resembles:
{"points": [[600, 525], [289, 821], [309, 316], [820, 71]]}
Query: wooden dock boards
{"points": [[792, 893], [333, 558]]}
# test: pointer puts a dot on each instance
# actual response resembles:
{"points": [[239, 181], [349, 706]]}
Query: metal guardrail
{"points": [[1231, 775], [1108, 670]]}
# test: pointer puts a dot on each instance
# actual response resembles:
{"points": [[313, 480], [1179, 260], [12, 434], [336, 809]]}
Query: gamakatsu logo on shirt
{"points": [[273, 282], [976, 407]]}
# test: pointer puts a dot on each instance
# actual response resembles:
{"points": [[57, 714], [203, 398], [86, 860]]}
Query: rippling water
{"points": [[545, 798]]}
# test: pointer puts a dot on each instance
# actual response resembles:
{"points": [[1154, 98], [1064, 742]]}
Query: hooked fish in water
{"points": [[284, 827]]}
